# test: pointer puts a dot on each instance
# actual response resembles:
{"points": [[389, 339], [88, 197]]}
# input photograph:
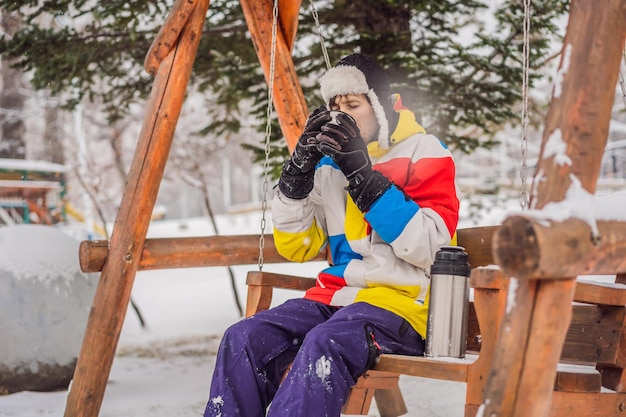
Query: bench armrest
{"points": [[261, 286]]}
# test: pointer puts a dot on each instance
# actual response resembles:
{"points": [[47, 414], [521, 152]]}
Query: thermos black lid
{"points": [[451, 260]]}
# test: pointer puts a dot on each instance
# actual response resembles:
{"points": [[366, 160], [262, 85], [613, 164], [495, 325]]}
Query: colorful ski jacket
{"points": [[381, 257]]}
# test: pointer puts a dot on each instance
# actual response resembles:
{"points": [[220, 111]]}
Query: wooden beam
{"points": [[526, 248], [113, 292], [536, 321], [288, 12], [188, 252], [289, 102], [192, 252], [168, 34]]}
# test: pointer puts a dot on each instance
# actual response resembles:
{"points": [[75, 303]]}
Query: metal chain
{"points": [[524, 194], [319, 33], [268, 133]]}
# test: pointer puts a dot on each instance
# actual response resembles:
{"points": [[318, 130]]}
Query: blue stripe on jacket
{"points": [[391, 213], [341, 251]]}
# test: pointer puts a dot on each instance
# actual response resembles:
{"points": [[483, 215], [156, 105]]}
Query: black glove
{"points": [[341, 140], [296, 179]]}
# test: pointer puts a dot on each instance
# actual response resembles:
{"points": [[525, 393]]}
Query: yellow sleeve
{"points": [[300, 246]]}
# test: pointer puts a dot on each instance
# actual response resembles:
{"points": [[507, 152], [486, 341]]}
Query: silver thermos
{"points": [[446, 331]]}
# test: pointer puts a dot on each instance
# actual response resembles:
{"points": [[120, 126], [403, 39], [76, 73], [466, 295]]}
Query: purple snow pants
{"points": [[330, 348]]}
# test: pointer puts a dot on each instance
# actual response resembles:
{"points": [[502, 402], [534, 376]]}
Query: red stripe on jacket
{"points": [[427, 181]]}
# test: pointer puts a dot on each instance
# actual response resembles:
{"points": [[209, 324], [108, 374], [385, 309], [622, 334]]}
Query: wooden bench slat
{"points": [[573, 378], [443, 368], [587, 404], [477, 244], [603, 293], [594, 334]]}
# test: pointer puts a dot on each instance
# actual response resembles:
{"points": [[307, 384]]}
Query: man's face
{"points": [[359, 107]]}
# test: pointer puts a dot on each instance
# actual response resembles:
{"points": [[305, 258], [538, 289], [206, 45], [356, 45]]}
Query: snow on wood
{"points": [[31, 165]]}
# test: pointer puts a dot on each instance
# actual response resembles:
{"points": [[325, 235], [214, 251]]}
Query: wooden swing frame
{"points": [[525, 357]]}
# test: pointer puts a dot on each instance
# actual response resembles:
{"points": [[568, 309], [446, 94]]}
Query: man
{"points": [[368, 182]]}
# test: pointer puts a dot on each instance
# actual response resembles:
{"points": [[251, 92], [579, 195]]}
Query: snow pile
{"points": [[44, 305]]}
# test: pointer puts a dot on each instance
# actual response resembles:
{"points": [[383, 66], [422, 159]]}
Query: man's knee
{"points": [[240, 334]]}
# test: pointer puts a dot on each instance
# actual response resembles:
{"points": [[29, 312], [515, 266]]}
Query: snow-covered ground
{"points": [[164, 370]]}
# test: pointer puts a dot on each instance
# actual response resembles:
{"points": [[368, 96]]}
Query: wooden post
{"points": [[582, 99], [169, 33], [288, 11], [528, 248], [539, 312], [615, 377], [289, 101], [489, 301], [131, 225]]}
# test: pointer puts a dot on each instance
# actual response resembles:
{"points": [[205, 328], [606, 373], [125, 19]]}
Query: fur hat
{"points": [[360, 74]]}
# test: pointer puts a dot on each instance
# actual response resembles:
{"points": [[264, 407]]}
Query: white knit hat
{"points": [[359, 74]]}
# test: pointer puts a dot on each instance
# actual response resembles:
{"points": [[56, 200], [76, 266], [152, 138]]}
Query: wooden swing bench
{"points": [[592, 360], [522, 381], [593, 356]]}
